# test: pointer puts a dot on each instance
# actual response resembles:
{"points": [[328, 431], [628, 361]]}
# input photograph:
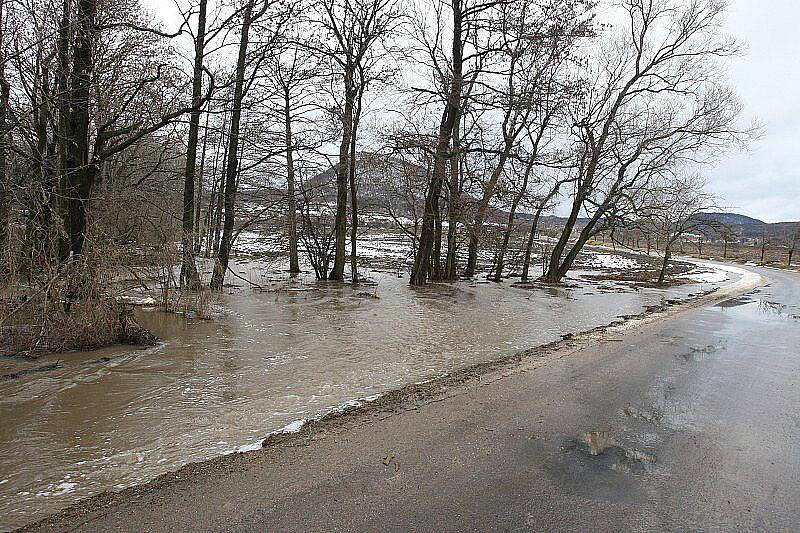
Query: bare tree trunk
{"points": [[552, 275], [512, 212], [526, 263], [421, 270], [665, 264], [62, 102], [5, 185], [291, 215], [80, 171], [216, 229], [454, 203], [436, 253], [559, 267], [480, 213], [221, 264], [342, 178], [218, 211], [354, 196], [199, 230], [189, 277]]}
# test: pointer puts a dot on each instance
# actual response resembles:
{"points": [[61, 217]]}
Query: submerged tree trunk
{"points": [[454, 204], [216, 219], [512, 212], [199, 220], [436, 253], [422, 266], [354, 196], [480, 213], [189, 276], [342, 179], [553, 272], [291, 213], [526, 262], [231, 170]]}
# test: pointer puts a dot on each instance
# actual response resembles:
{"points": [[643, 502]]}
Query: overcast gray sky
{"points": [[765, 182]]}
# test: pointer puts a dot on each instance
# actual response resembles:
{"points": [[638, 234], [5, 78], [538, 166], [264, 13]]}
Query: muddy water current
{"points": [[111, 418]]}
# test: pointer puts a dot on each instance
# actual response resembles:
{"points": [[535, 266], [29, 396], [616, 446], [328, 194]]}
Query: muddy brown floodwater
{"points": [[119, 416]]}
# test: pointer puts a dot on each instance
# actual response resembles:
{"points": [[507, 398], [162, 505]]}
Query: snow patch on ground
{"points": [[703, 276], [138, 300], [257, 243], [613, 262]]}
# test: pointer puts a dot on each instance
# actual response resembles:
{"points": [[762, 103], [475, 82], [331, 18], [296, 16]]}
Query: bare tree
{"points": [[449, 75], [242, 83], [357, 30], [672, 207], [5, 188], [293, 70], [533, 45], [189, 276], [652, 99]]}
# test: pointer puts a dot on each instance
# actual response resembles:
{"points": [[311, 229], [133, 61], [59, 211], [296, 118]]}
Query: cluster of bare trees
{"points": [[115, 128]]}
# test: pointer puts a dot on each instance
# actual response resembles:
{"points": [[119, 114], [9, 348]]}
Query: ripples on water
{"points": [[213, 387]]}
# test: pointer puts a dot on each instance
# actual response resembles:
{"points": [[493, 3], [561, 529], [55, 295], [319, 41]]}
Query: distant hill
{"points": [[752, 228], [382, 180], [731, 219]]}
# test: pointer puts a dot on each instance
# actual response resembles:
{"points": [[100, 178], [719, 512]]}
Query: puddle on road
{"points": [[119, 416], [699, 353], [735, 302], [604, 450]]}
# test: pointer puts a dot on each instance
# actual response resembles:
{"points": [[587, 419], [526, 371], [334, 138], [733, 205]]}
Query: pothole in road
{"points": [[651, 416], [735, 302], [699, 353], [601, 447]]}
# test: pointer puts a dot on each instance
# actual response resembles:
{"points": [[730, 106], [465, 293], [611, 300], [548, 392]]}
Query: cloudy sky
{"points": [[765, 181]]}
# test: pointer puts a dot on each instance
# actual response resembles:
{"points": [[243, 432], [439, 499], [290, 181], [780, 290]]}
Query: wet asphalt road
{"points": [[689, 423]]}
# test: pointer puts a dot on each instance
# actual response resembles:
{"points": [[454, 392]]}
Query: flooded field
{"points": [[119, 416]]}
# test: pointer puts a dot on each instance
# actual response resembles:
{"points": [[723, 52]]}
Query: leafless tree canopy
{"points": [[461, 122]]}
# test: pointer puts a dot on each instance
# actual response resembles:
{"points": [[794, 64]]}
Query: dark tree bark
{"points": [[62, 102], [216, 224], [353, 189], [454, 204], [662, 275], [422, 261], [483, 207], [498, 276], [231, 169], [5, 185], [526, 262], [291, 214], [189, 276], [343, 177], [534, 226], [199, 231], [80, 171]]}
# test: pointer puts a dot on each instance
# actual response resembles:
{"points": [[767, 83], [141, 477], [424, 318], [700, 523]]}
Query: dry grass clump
{"points": [[71, 306]]}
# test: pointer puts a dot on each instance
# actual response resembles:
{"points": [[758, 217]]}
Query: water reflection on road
{"points": [[120, 416]]}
